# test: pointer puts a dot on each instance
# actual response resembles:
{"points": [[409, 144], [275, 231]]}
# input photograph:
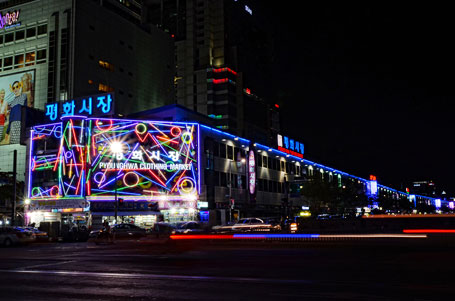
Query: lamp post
{"points": [[116, 149]]}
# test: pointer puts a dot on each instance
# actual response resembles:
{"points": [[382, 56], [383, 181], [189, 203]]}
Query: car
{"points": [[121, 231], [162, 229], [128, 231], [25, 236], [40, 235], [188, 227], [223, 228], [324, 216], [254, 224], [8, 237]]}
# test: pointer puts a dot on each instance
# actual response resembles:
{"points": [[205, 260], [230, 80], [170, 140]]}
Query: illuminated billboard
{"points": [[99, 159], [16, 91], [142, 160]]}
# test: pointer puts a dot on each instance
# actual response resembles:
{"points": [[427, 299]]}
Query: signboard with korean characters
{"points": [[89, 106]]}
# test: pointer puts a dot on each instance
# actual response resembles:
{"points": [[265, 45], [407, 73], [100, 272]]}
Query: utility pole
{"points": [[13, 211]]}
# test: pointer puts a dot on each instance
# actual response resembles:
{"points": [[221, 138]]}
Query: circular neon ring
{"points": [[186, 190], [190, 137], [132, 185], [140, 132], [176, 134]]}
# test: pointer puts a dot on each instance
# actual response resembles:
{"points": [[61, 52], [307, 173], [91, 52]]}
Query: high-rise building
{"points": [[55, 50], [219, 51]]}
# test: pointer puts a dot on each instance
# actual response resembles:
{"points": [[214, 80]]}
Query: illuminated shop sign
{"points": [[9, 19], [95, 105], [100, 158], [251, 172], [290, 146], [372, 186]]}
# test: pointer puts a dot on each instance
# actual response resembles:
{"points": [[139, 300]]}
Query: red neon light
{"points": [[208, 236], [287, 151], [220, 81], [167, 139], [224, 70], [429, 231], [372, 178], [277, 106], [248, 91]]}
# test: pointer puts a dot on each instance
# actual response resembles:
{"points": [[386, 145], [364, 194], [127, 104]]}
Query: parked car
{"points": [[121, 231], [40, 235], [8, 237], [188, 227], [25, 235], [128, 231], [223, 228]]}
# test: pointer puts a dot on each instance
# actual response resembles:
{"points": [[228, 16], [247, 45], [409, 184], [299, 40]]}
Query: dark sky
{"points": [[368, 89]]}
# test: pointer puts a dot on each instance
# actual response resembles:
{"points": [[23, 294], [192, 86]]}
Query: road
{"points": [[370, 269]]}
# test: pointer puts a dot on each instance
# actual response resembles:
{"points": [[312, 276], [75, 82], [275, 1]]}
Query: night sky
{"points": [[368, 89]]}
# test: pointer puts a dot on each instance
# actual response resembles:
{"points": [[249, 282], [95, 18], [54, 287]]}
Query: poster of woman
{"points": [[16, 91]]}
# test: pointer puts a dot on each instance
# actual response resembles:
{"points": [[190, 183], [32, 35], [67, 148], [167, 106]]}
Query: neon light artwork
{"points": [[98, 158]]}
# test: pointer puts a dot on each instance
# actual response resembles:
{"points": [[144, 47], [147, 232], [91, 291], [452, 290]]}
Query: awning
{"points": [[126, 213]]}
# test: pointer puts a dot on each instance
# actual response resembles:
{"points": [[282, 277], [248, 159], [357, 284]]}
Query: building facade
{"points": [[142, 171], [52, 51]]}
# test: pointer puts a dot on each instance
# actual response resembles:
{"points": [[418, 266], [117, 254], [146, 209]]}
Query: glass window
{"points": [[19, 61], [30, 58], [42, 29], [31, 32], [222, 150], [20, 35], [7, 63], [230, 152], [41, 56], [216, 149], [9, 37], [1, 39], [1, 61]]}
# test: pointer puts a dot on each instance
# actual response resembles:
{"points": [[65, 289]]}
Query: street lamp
{"points": [[116, 149]]}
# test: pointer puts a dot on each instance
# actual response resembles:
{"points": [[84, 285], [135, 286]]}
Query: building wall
{"points": [[112, 53]]}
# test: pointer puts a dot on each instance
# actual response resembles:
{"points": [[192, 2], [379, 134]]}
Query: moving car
{"points": [[254, 224], [188, 227]]}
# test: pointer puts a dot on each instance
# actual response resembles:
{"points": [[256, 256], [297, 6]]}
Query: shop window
{"points": [[30, 32], [20, 35], [30, 58]]}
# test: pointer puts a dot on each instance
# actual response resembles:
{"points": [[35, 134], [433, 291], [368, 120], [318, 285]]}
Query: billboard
{"points": [[142, 160], [16, 90], [98, 159]]}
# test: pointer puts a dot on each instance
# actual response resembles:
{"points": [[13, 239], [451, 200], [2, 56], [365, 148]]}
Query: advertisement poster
{"points": [[16, 90]]}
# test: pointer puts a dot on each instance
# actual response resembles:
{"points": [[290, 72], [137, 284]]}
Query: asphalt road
{"points": [[370, 269]]}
